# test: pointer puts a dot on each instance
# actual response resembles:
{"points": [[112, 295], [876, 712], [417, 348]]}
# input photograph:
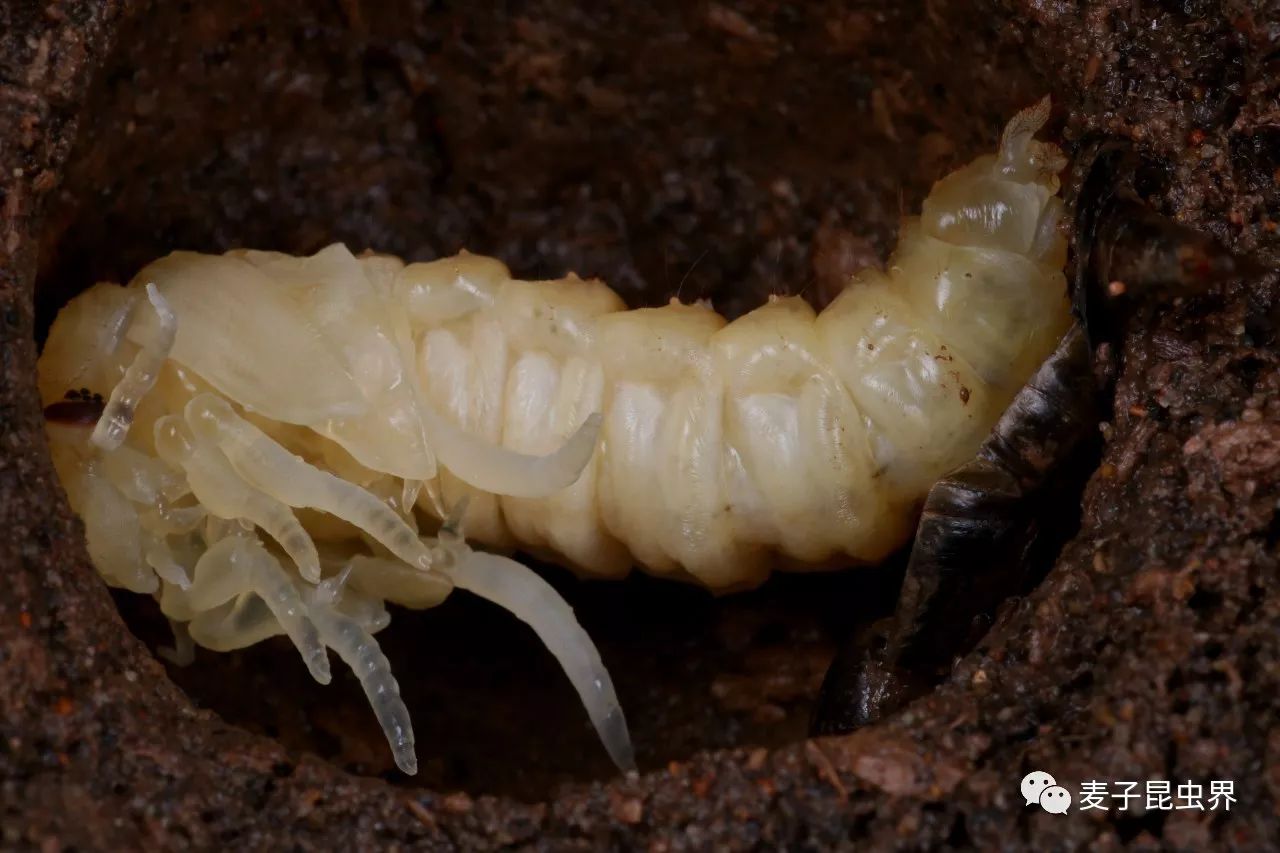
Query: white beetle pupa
{"points": [[279, 428]]}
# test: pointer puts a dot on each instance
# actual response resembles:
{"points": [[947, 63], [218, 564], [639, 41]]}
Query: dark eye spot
{"points": [[74, 412]]}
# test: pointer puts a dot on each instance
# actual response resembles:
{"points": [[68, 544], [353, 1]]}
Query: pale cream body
{"points": [[784, 439]]}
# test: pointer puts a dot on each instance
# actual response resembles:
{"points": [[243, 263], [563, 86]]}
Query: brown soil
{"points": [[727, 150]]}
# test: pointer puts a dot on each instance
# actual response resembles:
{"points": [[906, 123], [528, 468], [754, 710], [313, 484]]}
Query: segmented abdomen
{"points": [[781, 433], [272, 422], [782, 439]]}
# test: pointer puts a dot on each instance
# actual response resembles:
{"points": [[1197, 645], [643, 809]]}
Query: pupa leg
{"points": [[269, 468], [183, 650], [519, 589], [222, 491], [233, 566], [117, 417], [360, 651]]}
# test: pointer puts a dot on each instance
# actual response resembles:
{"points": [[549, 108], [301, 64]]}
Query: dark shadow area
{"points": [[667, 147], [494, 714]]}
